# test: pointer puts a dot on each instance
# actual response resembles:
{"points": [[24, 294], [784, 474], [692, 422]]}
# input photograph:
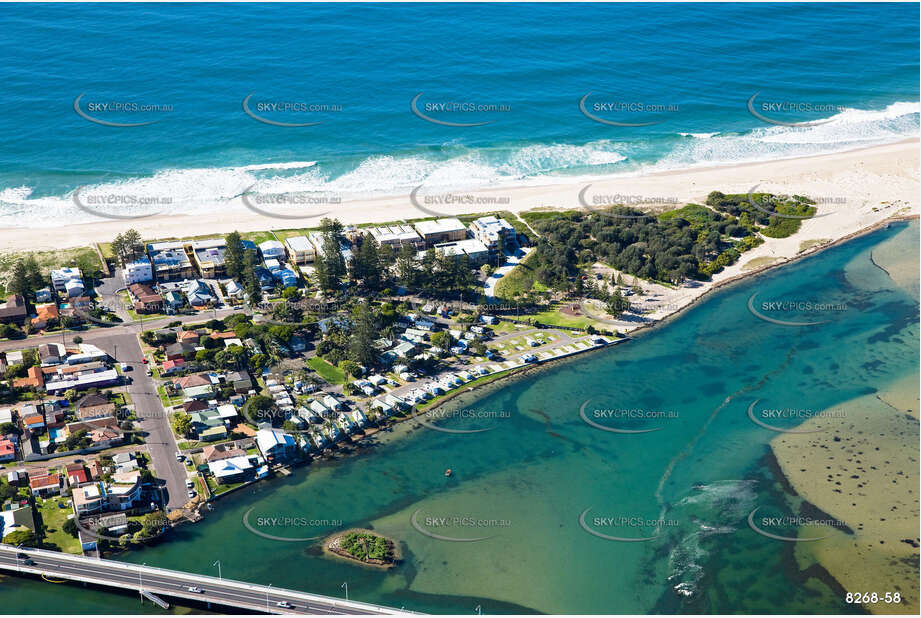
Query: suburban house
{"points": [[35, 379], [94, 406], [138, 271], [170, 261], [490, 229], [198, 293], [76, 475], [300, 249], [476, 252], [51, 353], [118, 495], [275, 445], [177, 350], [68, 280], [7, 450], [172, 366], [241, 381], [189, 336], [397, 236], [441, 230], [173, 300], [13, 311], [272, 249], [232, 469], [221, 451], [196, 379], [144, 298], [209, 257], [45, 485], [44, 315]]}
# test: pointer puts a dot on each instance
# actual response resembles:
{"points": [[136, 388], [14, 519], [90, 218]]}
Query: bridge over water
{"points": [[147, 580]]}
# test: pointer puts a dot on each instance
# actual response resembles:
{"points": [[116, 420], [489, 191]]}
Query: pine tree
{"points": [[364, 333], [233, 255]]}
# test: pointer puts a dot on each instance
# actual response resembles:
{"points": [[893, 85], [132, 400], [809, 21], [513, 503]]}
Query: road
{"points": [[169, 583], [152, 418]]}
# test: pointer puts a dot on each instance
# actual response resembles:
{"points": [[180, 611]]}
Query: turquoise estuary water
{"points": [[522, 485]]}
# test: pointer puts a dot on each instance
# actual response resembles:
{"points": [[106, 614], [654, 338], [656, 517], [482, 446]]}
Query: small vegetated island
{"points": [[364, 546]]}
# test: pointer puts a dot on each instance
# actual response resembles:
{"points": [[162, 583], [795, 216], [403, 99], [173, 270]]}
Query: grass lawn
{"points": [[328, 372], [53, 518], [258, 237], [519, 280], [218, 489]]}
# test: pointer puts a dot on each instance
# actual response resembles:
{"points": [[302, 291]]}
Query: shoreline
{"points": [[859, 176]]}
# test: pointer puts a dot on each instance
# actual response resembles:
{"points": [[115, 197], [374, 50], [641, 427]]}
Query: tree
{"points": [[234, 255], [259, 408], [324, 281], [70, 527], [78, 339], [364, 333], [20, 537], [370, 263], [34, 273], [19, 282], [442, 339], [617, 304], [127, 247], [406, 266], [77, 440], [350, 368], [152, 524], [182, 424]]}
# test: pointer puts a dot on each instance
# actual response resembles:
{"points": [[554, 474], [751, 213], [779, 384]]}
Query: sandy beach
{"points": [[855, 189]]}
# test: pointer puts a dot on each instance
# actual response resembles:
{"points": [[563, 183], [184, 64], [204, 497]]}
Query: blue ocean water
{"points": [[523, 69]]}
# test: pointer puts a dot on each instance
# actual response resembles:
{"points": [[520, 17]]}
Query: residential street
{"points": [[122, 343]]}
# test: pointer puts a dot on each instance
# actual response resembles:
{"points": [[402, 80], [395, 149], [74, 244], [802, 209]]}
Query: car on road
{"points": [[22, 556], [28, 562], [193, 589], [284, 604], [125, 366]]}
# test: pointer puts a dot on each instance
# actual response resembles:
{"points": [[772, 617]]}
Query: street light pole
{"points": [[267, 599], [218, 564], [346, 586]]}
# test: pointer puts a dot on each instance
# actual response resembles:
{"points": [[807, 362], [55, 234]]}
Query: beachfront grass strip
{"points": [[84, 258], [53, 520], [328, 372]]}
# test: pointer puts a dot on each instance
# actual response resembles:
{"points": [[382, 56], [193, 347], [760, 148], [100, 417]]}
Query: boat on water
{"points": [[448, 472]]}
